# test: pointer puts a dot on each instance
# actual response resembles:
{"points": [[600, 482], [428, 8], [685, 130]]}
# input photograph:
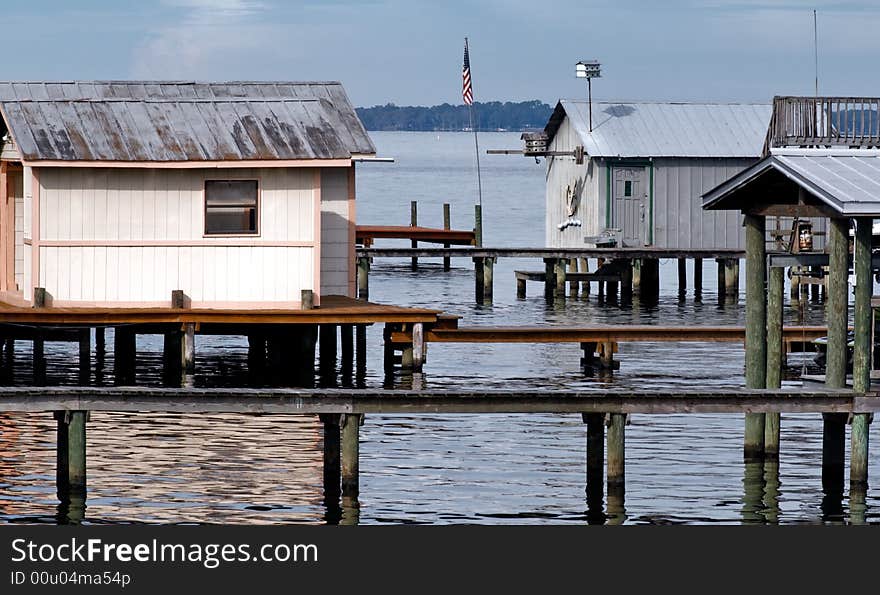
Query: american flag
{"points": [[467, 92]]}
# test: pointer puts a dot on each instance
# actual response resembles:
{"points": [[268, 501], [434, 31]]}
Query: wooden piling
{"points": [[361, 351], [388, 348], [188, 348], [862, 349], [795, 286], [637, 276], [479, 279], [682, 278], [100, 343], [124, 354], [350, 454], [559, 269], [363, 277], [616, 451], [585, 268], [595, 461], [488, 279], [39, 361], [626, 284], [414, 222], [650, 281], [731, 279], [815, 277], [834, 424], [418, 347], [698, 279], [332, 465], [775, 356], [549, 278], [756, 328], [447, 224], [71, 453], [722, 279], [573, 286], [256, 355], [478, 226]]}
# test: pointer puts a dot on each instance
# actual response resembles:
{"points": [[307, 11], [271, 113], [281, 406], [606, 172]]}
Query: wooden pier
{"points": [[635, 270], [342, 412]]}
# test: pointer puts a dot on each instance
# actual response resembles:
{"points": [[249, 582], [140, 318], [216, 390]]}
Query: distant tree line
{"points": [[492, 115]]}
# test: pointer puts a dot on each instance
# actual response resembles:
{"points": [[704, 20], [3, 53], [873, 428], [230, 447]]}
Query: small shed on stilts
{"points": [[822, 159]]}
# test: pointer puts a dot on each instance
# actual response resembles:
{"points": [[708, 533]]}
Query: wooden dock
{"points": [[342, 412], [635, 270]]}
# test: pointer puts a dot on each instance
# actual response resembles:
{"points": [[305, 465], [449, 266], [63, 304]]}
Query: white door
{"points": [[629, 205]]}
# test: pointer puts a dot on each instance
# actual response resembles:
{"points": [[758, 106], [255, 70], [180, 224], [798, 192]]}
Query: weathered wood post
{"points": [[585, 268], [71, 454], [488, 279], [756, 329], [616, 461], [834, 424], [796, 285], [414, 222], [698, 279], [478, 226], [39, 360], [361, 351], [775, 355], [722, 279], [637, 276], [574, 286], [549, 278], [388, 348], [682, 278], [858, 472], [350, 452], [124, 355], [418, 346], [626, 285], [188, 348], [447, 225], [307, 299], [332, 467], [650, 284], [40, 297], [559, 269], [85, 355], [595, 461], [363, 277], [520, 288], [731, 279], [479, 279]]}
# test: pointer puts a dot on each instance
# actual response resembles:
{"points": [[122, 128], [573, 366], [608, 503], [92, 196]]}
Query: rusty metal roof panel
{"points": [[182, 121], [654, 129]]}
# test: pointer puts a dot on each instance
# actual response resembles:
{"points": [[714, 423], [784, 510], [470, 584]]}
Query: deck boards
{"points": [[333, 309], [293, 401]]}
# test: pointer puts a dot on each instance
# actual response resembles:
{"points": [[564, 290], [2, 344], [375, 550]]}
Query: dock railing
{"points": [[824, 122]]}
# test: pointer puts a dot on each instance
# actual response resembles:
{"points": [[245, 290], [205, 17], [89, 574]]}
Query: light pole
{"points": [[588, 69]]}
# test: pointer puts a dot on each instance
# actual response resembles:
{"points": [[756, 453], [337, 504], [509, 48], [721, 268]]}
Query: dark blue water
{"points": [[451, 468]]}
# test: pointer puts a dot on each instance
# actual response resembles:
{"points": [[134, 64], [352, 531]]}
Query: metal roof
{"points": [[172, 121], [653, 129], [846, 180]]}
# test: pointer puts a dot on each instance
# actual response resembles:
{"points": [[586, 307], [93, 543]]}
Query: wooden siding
{"points": [[335, 244], [679, 219], [18, 191], [563, 172], [134, 235]]}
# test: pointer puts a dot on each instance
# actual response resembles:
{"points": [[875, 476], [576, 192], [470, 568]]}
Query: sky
{"points": [[410, 52]]}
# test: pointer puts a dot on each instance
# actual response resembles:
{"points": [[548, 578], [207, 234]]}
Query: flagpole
{"points": [[478, 208]]}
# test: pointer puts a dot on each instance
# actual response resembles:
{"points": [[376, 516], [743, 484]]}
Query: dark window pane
{"points": [[231, 220], [231, 207], [231, 192], [628, 188]]}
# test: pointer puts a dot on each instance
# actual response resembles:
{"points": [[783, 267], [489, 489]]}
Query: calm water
{"points": [[440, 469]]}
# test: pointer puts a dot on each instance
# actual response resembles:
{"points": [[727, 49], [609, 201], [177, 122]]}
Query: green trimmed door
{"points": [[629, 203]]}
